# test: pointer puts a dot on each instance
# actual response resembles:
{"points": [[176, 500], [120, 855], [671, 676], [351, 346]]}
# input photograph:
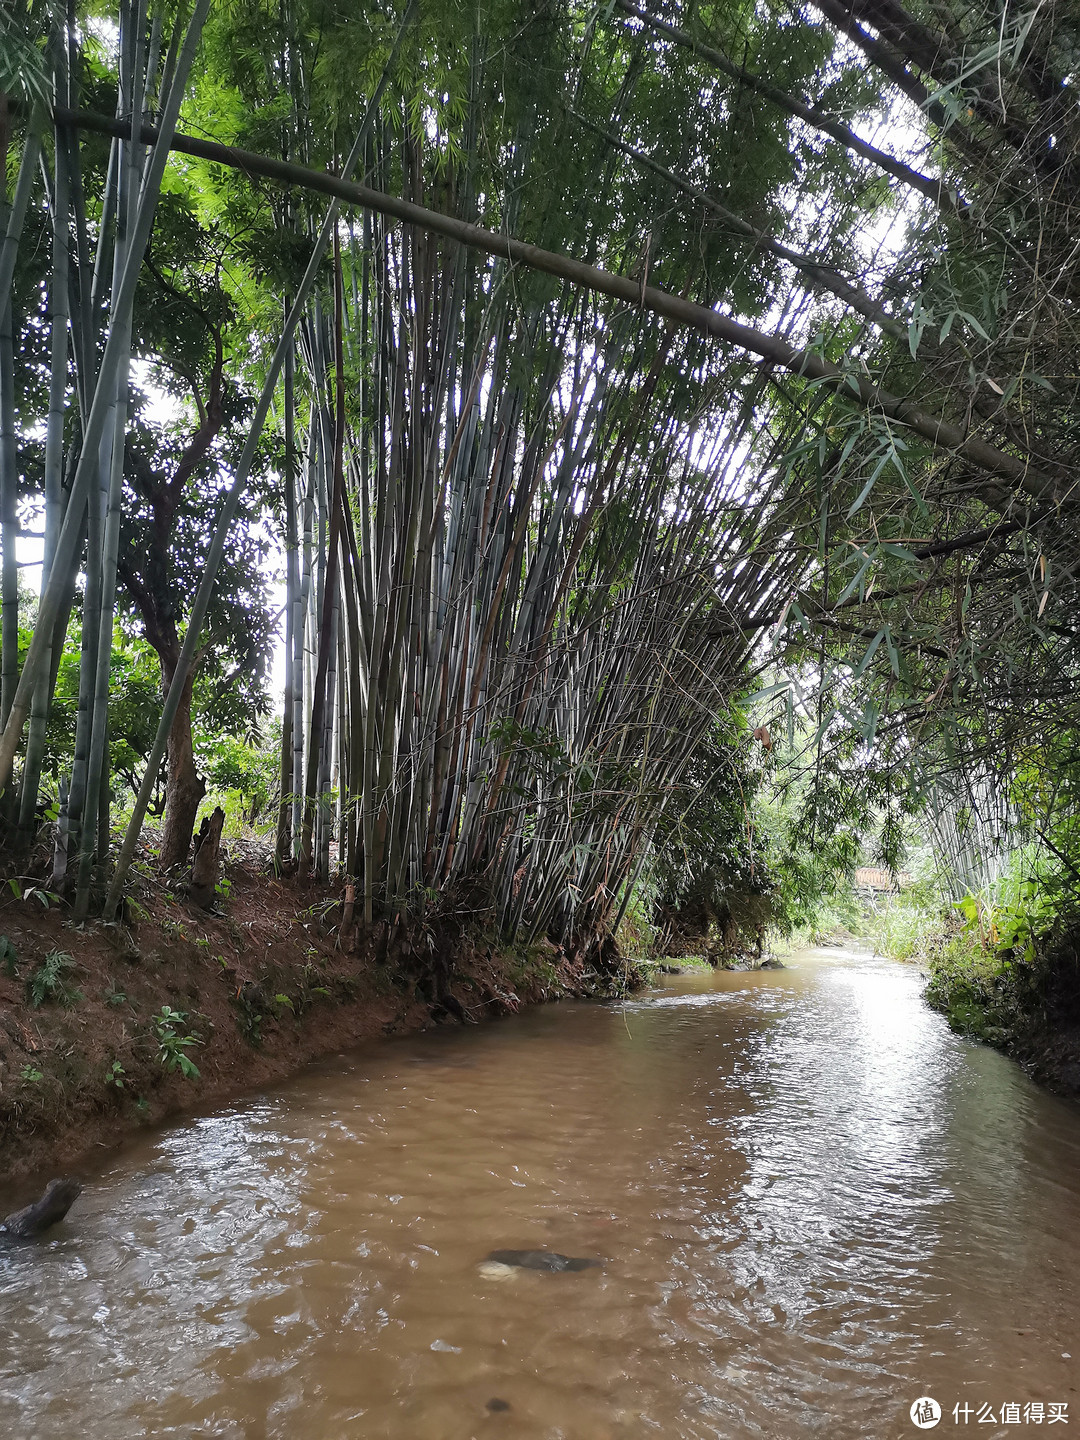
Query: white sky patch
{"points": [[160, 408]]}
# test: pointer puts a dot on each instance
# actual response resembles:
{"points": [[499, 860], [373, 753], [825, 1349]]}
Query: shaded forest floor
{"points": [[89, 1034]]}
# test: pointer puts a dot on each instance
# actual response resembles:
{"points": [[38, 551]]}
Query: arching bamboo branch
{"points": [[855, 388]]}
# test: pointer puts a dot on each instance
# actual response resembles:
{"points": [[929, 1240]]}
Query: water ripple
{"points": [[813, 1203]]}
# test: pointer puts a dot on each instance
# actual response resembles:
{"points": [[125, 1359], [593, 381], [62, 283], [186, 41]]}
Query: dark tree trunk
{"points": [[184, 786], [145, 571]]}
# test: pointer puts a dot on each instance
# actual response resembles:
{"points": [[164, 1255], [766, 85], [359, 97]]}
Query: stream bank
{"points": [[107, 1029], [1030, 1009]]}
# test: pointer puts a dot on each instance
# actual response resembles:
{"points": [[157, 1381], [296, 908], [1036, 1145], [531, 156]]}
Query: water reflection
{"points": [[814, 1204]]}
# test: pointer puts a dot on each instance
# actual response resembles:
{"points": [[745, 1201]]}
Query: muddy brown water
{"points": [[813, 1202]]}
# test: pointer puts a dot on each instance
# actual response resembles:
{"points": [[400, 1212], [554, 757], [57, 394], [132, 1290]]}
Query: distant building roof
{"points": [[869, 877]]}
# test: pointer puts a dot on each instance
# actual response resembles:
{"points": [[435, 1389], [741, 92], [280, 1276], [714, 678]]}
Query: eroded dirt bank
{"points": [[94, 1021]]}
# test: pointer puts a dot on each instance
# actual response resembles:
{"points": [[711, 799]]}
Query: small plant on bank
{"points": [[31, 1075], [114, 997], [114, 1076], [249, 1017], [49, 981], [172, 1044]]}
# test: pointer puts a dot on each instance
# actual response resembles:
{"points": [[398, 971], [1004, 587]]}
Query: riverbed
{"points": [[813, 1203]]}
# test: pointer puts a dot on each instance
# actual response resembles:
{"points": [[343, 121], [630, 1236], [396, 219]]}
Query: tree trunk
{"points": [[184, 786]]}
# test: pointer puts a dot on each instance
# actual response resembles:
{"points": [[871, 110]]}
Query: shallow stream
{"points": [[813, 1202]]}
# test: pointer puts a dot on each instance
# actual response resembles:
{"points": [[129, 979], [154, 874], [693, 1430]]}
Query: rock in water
{"points": [[540, 1260], [57, 1200], [491, 1271]]}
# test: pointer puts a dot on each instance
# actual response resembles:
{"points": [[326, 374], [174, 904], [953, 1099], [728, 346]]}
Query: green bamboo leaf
{"points": [[870, 650], [871, 714], [874, 475], [971, 320], [857, 581], [890, 645]]}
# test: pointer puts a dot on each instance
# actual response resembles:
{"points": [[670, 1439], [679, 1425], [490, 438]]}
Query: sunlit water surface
{"points": [[813, 1203]]}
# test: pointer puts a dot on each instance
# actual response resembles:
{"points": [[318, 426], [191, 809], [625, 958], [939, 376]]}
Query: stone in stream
{"points": [[537, 1260], [54, 1204]]}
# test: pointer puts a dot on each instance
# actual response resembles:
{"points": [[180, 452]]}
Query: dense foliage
{"points": [[797, 452]]}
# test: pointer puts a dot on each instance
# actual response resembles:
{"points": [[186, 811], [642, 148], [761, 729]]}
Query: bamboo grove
{"points": [[675, 386]]}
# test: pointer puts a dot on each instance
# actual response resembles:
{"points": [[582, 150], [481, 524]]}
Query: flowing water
{"points": [[814, 1204]]}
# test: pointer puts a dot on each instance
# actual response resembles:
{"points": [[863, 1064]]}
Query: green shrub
{"points": [[972, 986], [905, 926], [636, 935], [172, 1045]]}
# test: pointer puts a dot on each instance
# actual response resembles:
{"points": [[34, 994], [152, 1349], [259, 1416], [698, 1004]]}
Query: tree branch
{"points": [[854, 388]]}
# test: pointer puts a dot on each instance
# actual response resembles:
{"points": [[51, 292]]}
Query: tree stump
{"points": [[348, 917], [204, 868]]}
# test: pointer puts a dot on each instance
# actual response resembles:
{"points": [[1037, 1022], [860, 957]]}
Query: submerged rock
{"points": [[540, 1260], [54, 1204], [772, 964], [496, 1405], [492, 1270]]}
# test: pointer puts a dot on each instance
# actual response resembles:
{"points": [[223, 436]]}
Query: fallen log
{"points": [[54, 1204]]}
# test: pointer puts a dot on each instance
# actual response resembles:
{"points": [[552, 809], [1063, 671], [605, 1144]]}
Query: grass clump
{"points": [[906, 927], [49, 983]]}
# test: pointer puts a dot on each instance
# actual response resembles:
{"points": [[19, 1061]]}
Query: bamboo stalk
{"points": [[54, 450], [55, 591]]}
